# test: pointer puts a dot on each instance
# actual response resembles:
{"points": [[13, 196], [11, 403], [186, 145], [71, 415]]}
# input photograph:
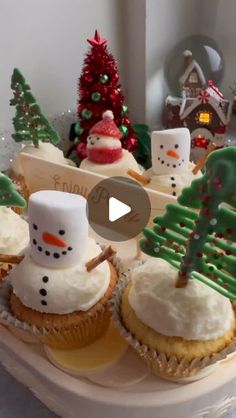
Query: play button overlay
{"points": [[118, 208]]}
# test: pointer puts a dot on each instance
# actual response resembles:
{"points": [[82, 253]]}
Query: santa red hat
{"points": [[106, 127]]}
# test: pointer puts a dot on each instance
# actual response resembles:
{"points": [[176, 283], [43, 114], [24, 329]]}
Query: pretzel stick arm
{"points": [[142, 179], [11, 259], [104, 255], [200, 164]]}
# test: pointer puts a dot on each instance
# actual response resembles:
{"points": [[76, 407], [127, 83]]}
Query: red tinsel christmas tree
{"points": [[99, 90]]}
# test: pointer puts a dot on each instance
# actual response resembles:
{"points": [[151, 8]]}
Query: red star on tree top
{"points": [[97, 40]]}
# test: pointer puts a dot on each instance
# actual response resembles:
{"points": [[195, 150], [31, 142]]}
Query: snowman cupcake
{"points": [[53, 291], [104, 149], [171, 169]]}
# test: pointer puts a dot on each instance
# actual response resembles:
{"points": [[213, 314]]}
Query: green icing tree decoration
{"points": [[29, 122], [143, 151], [8, 195], [201, 245]]}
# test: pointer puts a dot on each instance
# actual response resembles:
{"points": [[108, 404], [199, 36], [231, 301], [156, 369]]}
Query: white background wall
{"points": [[219, 22], [163, 24], [46, 40], [168, 22]]}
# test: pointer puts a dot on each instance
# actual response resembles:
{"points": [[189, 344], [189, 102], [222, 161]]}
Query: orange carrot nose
{"points": [[173, 154], [53, 240]]}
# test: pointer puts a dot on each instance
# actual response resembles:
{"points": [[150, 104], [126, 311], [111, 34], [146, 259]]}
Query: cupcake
{"points": [[14, 232], [172, 325], [171, 169], [46, 151], [54, 293], [177, 310], [104, 150], [14, 235]]}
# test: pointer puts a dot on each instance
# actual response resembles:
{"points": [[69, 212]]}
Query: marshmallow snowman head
{"points": [[170, 151], [58, 228]]}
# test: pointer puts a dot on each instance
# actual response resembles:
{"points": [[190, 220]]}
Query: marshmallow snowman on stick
{"points": [[170, 154], [58, 229], [170, 151]]}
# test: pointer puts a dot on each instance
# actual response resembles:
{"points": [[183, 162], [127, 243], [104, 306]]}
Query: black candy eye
{"points": [[35, 227], [61, 232], [176, 146], [97, 138], [161, 146]]}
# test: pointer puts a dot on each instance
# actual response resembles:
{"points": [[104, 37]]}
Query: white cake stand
{"points": [[76, 397], [72, 397]]}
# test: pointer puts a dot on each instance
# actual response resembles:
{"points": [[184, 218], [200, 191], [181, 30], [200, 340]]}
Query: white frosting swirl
{"points": [[67, 290], [196, 312], [46, 151], [118, 168], [171, 184], [14, 232]]}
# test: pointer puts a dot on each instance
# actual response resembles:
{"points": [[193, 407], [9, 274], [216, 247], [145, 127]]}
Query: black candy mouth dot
{"points": [[55, 254], [163, 162]]}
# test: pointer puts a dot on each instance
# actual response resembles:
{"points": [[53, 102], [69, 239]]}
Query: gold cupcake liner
{"points": [[170, 368], [79, 336], [87, 331]]}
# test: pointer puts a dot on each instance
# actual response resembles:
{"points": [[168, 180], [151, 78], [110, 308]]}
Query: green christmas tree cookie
{"points": [[8, 195], [29, 122], [201, 245]]}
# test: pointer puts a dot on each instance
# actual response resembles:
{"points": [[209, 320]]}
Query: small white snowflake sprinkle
{"points": [[156, 250], [213, 221], [196, 236]]}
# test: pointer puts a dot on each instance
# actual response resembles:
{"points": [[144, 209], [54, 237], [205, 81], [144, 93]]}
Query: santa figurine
{"points": [[103, 143], [171, 169], [104, 149]]}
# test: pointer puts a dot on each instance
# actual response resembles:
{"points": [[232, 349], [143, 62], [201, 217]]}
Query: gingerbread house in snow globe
{"points": [[201, 107]]}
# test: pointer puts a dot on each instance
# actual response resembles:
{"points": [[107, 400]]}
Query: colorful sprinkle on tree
{"points": [[29, 122], [201, 244], [8, 195]]}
